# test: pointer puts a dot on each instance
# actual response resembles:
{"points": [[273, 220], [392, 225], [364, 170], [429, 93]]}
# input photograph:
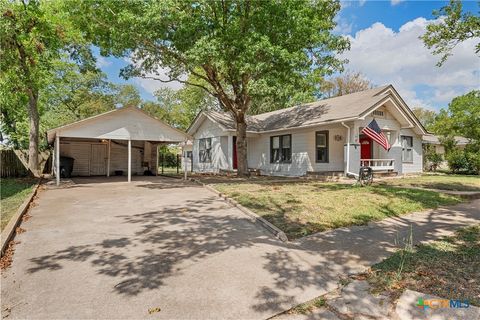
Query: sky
{"points": [[385, 48]]}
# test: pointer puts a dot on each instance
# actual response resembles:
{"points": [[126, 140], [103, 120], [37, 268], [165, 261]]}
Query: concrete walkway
{"points": [[105, 249], [351, 250]]}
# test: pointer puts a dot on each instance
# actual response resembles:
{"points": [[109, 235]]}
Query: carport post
{"points": [[57, 158], [185, 163], [129, 160], [108, 157]]}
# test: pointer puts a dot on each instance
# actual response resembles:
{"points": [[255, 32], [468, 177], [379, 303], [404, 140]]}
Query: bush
{"points": [[457, 161], [467, 160], [434, 160], [473, 162]]}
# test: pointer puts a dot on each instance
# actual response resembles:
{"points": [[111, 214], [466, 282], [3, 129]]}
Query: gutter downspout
{"points": [[347, 171]]}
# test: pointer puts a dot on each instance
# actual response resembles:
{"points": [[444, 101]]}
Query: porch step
{"points": [[324, 175]]}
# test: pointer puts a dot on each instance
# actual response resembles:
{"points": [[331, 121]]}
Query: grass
{"points": [[300, 209], [308, 307], [439, 181], [13, 193], [448, 268]]}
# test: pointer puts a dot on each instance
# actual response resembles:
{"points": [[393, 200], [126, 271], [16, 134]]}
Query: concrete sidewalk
{"points": [[351, 250]]}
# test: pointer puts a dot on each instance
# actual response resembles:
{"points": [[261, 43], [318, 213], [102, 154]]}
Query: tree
{"points": [[426, 117], [454, 26], [33, 35], [242, 51], [179, 107], [461, 118], [345, 83]]}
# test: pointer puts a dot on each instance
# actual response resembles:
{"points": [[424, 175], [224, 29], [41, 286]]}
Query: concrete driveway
{"points": [[103, 249], [108, 249]]}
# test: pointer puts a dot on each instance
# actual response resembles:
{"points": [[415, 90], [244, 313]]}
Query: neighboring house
{"points": [[318, 137], [438, 147]]}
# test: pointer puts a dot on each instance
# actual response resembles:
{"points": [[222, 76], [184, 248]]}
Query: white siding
{"points": [[81, 152], [208, 129], [303, 152], [417, 164]]}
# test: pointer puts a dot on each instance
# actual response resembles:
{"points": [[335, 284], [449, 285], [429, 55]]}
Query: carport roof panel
{"points": [[121, 124]]}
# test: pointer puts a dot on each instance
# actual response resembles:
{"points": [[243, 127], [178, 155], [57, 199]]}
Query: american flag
{"points": [[373, 131]]}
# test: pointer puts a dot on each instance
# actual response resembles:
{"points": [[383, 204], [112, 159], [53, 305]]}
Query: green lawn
{"points": [[303, 208], [440, 181], [13, 193], [448, 268]]}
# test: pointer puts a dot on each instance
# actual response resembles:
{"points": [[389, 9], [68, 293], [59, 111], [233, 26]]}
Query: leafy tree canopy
{"points": [[426, 117], [243, 51], [462, 117], [454, 27], [34, 35]]}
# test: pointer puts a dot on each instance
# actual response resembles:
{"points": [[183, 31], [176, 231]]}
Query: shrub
{"points": [[473, 162], [434, 160], [457, 161]]}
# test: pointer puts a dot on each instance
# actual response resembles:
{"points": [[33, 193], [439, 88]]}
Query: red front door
{"points": [[234, 154], [365, 148]]}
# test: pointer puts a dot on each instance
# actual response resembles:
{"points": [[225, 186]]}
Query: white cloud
{"points": [[400, 58], [395, 2], [102, 62], [152, 85], [361, 2]]}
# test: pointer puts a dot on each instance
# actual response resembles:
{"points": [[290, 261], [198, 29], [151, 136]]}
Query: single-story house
{"points": [[121, 141], [319, 137], [435, 142]]}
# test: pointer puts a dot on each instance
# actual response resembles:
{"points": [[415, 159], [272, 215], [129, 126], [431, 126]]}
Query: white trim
{"points": [[108, 156], [129, 160], [380, 104], [57, 158]]}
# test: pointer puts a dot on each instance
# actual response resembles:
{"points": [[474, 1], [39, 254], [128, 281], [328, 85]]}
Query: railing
{"points": [[378, 164]]}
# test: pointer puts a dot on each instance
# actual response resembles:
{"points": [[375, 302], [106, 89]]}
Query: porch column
{"points": [[108, 157], [129, 160], [57, 158]]}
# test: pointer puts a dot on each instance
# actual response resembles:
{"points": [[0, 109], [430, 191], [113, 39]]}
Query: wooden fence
{"points": [[10, 165]]}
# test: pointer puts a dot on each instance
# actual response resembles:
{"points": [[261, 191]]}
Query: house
{"points": [[435, 143], [122, 141], [320, 137]]}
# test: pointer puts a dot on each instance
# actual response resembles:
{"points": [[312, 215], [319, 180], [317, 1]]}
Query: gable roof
{"points": [[120, 124], [343, 108]]}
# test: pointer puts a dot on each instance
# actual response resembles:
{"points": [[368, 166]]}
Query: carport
{"points": [[111, 143]]}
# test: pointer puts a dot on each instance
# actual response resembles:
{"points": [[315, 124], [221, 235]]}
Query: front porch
{"points": [[378, 164]]}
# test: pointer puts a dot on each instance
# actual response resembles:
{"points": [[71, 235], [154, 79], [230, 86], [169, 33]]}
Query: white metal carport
{"points": [[98, 136]]}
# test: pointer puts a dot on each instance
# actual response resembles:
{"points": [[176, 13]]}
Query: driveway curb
{"points": [[253, 217], [9, 232]]}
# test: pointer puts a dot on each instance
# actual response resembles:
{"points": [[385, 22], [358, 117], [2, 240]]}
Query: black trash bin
{"points": [[66, 167]]}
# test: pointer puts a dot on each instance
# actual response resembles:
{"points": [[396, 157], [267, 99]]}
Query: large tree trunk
{"points": [[242, 164], [34, 128]]}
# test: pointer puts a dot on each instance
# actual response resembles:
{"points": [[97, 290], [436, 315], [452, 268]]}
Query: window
{"points": [[281, 148], [321, 146], [189, 154], [407, 149], [205, 150]]}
